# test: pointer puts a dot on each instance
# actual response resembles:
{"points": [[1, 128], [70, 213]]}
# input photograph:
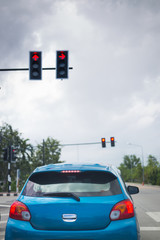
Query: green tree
{"points": [[48, 152], [28, 157], [152, 171], [10, 137], [131, 169], [24, 160]]}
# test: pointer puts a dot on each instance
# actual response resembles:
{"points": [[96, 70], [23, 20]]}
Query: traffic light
{"points": [[13, 154], [35, 66], [5, 154], [112, 141], [62, 64], [103, 141]]}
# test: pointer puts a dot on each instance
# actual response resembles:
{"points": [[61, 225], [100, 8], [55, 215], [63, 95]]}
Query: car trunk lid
{"points": [[55, 213]]}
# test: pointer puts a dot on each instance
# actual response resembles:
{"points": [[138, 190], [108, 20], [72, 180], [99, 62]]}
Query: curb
{"points": [[8, 194]]}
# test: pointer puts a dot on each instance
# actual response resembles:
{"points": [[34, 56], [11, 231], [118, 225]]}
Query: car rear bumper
{"points": [[116, 230]]}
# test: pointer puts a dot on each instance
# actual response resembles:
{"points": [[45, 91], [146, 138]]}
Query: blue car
{"points": [[74, 202]]}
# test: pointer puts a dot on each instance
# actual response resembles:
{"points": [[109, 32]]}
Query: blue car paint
{"points": [[113, 230], [92, 212], [117, 230]]}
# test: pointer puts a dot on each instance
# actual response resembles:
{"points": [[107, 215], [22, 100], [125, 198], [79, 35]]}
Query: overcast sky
{"points": [[113, 89]]}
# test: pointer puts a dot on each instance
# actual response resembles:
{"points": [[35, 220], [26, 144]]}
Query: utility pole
{"points": [[43, 152]]}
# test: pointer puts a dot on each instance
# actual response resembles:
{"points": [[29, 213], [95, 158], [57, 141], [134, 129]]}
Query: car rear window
{"points": [[85, 183]]}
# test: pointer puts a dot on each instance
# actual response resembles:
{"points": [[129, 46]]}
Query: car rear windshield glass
{"points": [[87, 183]]}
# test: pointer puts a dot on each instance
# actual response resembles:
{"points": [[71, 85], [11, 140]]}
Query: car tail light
{"points": [[19, 211], [122, 210]]}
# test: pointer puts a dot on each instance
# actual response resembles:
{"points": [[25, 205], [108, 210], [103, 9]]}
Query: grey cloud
{"points": [[114, 51]]}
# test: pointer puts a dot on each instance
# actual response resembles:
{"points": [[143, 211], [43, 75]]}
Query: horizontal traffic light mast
{"points": [[103, 142], [26, 69], [35, 65]]}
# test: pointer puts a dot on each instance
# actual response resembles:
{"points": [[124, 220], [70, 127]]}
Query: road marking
{"points": [[154, 215], [4, 214], [5, 206], [150, 228], [8, 194], [2, 222]]}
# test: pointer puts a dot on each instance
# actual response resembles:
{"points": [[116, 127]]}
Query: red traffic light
{"points": [[112, 141], [35, 65], [62, 64], [62, 55], [103, 141], [13, 154], [35, 56]]}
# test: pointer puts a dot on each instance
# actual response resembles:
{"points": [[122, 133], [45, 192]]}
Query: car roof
{"points": [[81, 167]]}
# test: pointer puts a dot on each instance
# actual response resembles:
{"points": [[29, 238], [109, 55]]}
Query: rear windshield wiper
{"points": [[62, 194]]}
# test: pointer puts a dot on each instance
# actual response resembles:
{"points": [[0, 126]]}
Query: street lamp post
{"points": [[137, 145]]}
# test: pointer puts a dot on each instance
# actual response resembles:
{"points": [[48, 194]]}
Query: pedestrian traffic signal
{"points": [[62, 64], [103, 141], [112, 141], [35, 66]]}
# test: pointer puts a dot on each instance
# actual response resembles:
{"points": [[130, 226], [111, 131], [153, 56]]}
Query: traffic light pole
{"points": [[43, 152], [8, 158], [9, 168]]}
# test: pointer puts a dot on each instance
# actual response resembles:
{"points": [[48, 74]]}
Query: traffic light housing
{"points": [[103, 141], [5, 154], [13, 154], [62, 64], [112, 142], [35, 66]]}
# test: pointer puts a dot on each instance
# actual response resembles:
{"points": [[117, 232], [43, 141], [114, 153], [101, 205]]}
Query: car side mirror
{"points": [[133, 189]]}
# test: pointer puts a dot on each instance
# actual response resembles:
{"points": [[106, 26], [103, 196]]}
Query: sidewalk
{"points": [[8, 194], [140, 185]]}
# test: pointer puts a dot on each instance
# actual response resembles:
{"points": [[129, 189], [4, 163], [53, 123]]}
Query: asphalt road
{"points": [[5, 203], [147, 204]]}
